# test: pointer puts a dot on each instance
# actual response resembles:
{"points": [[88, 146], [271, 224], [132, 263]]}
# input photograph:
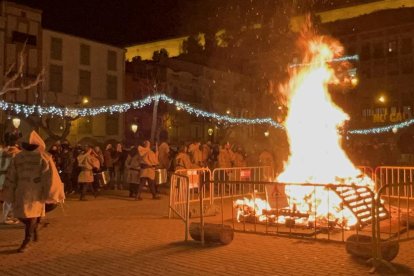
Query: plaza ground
{"points": [[114, 235]]}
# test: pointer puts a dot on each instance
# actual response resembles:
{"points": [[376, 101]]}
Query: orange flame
{"points": [[312, 124]]}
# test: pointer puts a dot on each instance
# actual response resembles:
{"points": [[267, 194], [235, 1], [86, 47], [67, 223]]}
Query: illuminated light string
{"points": [[377, 130], [28, 110], [341, 59]]}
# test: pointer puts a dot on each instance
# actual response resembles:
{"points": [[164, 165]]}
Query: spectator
{"points": [[109, 163], [239, 159], [195, 153], [149, 160], [164, 155], [183, 161], [97, 176], [118, 164], [87, 161], [66, 167], [206, 154], [132, 164], [226, 156], [6, 155]]}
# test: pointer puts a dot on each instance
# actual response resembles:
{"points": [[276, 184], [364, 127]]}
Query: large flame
{"points": [[312, 124]]}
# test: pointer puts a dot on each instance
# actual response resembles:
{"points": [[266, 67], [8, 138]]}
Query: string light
{"points": [[341, 59], [38, 110], [29, 110], [389, 128]]}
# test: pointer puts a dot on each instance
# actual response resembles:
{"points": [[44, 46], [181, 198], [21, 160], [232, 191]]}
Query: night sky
{"points": [[119, 22]]}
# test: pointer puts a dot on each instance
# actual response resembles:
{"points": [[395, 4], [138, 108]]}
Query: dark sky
{"points": [[118, 22]]}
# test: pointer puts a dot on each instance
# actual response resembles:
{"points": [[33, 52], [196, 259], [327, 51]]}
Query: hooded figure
{"points": [[6, 155], [88, 162], [29, 181], [149, 160], [56, 192]]}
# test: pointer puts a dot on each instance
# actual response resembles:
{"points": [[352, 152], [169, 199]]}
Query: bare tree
{"points": [[17, 76], [14, 82]]}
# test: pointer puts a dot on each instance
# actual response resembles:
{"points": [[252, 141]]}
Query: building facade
{"points": [[384, 42], [84, 73], [20, 35], [200, 86]]}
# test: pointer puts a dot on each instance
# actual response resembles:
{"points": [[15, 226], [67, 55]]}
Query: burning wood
{"points": [[355, 200]]}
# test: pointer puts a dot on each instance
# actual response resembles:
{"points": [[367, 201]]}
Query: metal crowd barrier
{"points": [[390, 175], [398, 227], [180, 199], [242, 174], [195, 178]]}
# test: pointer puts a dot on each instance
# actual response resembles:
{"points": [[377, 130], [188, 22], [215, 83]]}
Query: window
{"points": [[406, 46], [56, 48], [378, 50], [392, 48], [111, 87], [55, 78], [85, 52], [112, 122], [407, 66], [84, 83], [85, 126], [111, 60], [24, 38]]}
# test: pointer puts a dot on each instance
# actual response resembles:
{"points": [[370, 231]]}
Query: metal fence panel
{"points": [[390, 175], [180, 199], [196, 177], [242, 174]]}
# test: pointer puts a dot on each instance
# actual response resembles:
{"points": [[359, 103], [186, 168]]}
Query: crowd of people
{"points": [[118, 167], [34, 179]]}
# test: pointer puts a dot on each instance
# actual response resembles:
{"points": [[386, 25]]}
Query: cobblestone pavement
{"points": [[113, 235]]}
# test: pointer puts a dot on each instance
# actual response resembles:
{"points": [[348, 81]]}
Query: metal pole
{"points": [[154, 120], [187, 211], [201, 213], [172, 195]]}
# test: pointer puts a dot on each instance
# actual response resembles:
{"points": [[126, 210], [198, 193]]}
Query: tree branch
{"points": [[7, 87]]}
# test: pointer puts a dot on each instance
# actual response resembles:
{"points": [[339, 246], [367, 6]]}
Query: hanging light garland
{"points": [[340, 59], [28, 110], [377, 130]]}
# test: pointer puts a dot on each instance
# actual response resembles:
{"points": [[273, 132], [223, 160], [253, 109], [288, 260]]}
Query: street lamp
{"points": [[16, 122], [266, 133], [85, 100], [210, 131], [381, 99], [134, 128]]}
